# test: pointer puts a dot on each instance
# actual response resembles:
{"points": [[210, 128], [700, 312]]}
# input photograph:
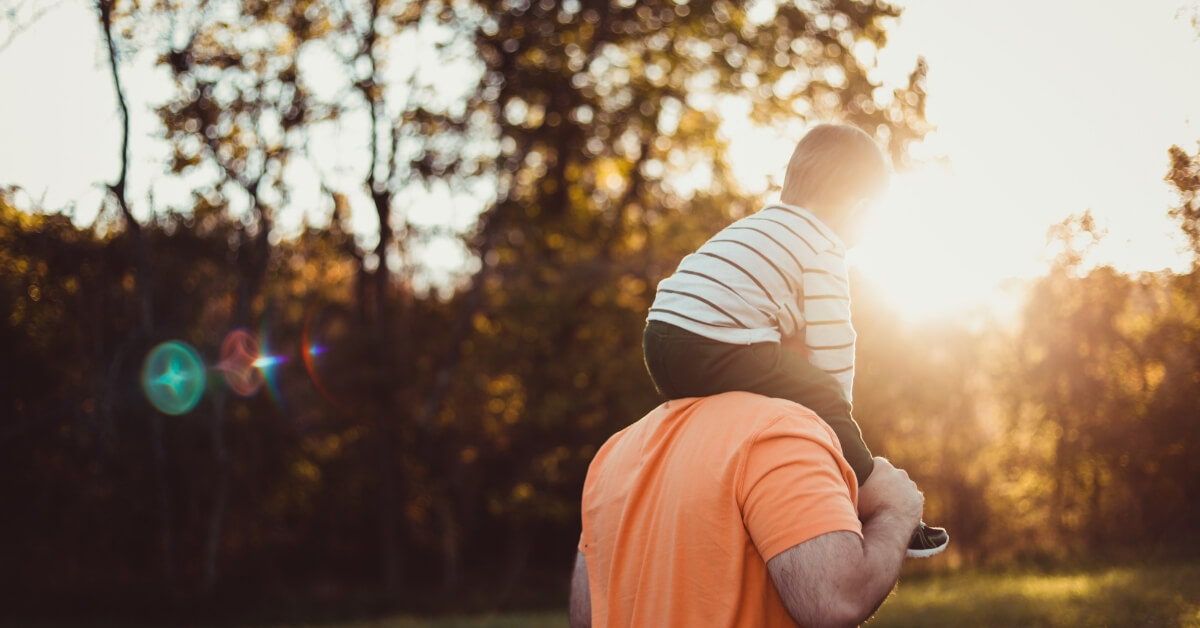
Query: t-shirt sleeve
{"points": [[795, 486]]}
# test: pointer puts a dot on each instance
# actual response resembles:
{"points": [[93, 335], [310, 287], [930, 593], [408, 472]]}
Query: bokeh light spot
{"points": [[173, 377]]}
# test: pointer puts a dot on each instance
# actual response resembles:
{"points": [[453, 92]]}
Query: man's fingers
{"points": [[889, 487]]}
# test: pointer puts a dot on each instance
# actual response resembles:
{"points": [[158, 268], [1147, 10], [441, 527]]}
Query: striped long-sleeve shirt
{"points": [[775, 276]]}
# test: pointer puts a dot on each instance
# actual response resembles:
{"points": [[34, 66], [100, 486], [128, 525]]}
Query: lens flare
{"points": [[173, 377], [267, 363], [240, 362], [315, 327]]}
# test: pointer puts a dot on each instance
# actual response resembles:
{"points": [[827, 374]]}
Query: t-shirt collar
{"points": [[823, 228]]}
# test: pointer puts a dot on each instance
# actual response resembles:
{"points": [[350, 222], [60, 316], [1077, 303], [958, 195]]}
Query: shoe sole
{"points": [[926, 553]]}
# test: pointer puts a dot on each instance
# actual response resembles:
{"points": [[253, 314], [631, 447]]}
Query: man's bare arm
{"points": [[838, 579], [581, 597]]}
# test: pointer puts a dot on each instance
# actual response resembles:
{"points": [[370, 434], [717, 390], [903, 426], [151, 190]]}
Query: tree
{"points": [[598, 110], [460, 425], [1184, 177]]}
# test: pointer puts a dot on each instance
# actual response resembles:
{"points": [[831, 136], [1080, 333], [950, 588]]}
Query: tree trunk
{"points": [[216, 519], [388, 521], [451, 554], [518, 560], [143, 297], [162, 492]]}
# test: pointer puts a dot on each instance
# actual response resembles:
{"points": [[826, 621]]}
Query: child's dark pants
{"points": [[683, 364]]}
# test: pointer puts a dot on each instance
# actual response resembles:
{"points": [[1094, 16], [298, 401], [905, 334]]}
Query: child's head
{"points": [[835, 172]]}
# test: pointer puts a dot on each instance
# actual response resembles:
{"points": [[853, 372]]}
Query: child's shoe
{"points": [[927, 541]]}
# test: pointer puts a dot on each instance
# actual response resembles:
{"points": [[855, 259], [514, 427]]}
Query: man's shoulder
{"points": [[750, 406], [753, 409]]}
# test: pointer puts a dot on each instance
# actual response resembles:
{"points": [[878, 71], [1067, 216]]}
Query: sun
{"points": [[937, 245], [926, 252]]}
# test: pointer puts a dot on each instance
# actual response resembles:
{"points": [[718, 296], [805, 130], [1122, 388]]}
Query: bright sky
{"points": [[1044, 109]]}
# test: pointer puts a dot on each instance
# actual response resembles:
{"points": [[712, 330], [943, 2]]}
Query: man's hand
{"points": [[889, 490]]}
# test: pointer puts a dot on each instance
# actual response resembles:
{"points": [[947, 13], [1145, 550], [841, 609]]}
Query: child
{"points": [[764, 306]]}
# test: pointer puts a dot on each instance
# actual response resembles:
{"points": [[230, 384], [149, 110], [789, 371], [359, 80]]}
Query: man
{"points": [[736, 510]]}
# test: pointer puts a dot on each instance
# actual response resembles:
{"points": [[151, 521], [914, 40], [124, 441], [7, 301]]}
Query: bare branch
{"points": [[105, 7], [20, 26]]}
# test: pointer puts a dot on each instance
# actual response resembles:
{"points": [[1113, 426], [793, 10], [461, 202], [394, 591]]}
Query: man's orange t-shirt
{"points": [[683, 509]]}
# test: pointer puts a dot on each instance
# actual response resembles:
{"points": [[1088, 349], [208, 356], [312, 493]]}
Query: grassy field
{"points": [[543, 620], [1151, 595], [1154, 594]]}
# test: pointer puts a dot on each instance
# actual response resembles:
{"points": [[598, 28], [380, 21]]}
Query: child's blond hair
{"points": [[833, 167]]}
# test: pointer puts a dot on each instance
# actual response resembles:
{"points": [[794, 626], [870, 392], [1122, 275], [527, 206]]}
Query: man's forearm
{"points": [[867, 577], [885, 539], [839, 579]]}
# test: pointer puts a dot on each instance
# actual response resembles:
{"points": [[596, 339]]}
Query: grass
{"points": [[513, 620], [495, 620], [1140, 595], [1151, 595]]}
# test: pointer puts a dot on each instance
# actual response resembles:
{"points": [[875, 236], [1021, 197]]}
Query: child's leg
{"points": [[683, 364], [656, 340], [801, 380]]}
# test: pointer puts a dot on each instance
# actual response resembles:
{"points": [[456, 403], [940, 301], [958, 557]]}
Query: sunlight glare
{"points": [[934, 247], [931, 250]]}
